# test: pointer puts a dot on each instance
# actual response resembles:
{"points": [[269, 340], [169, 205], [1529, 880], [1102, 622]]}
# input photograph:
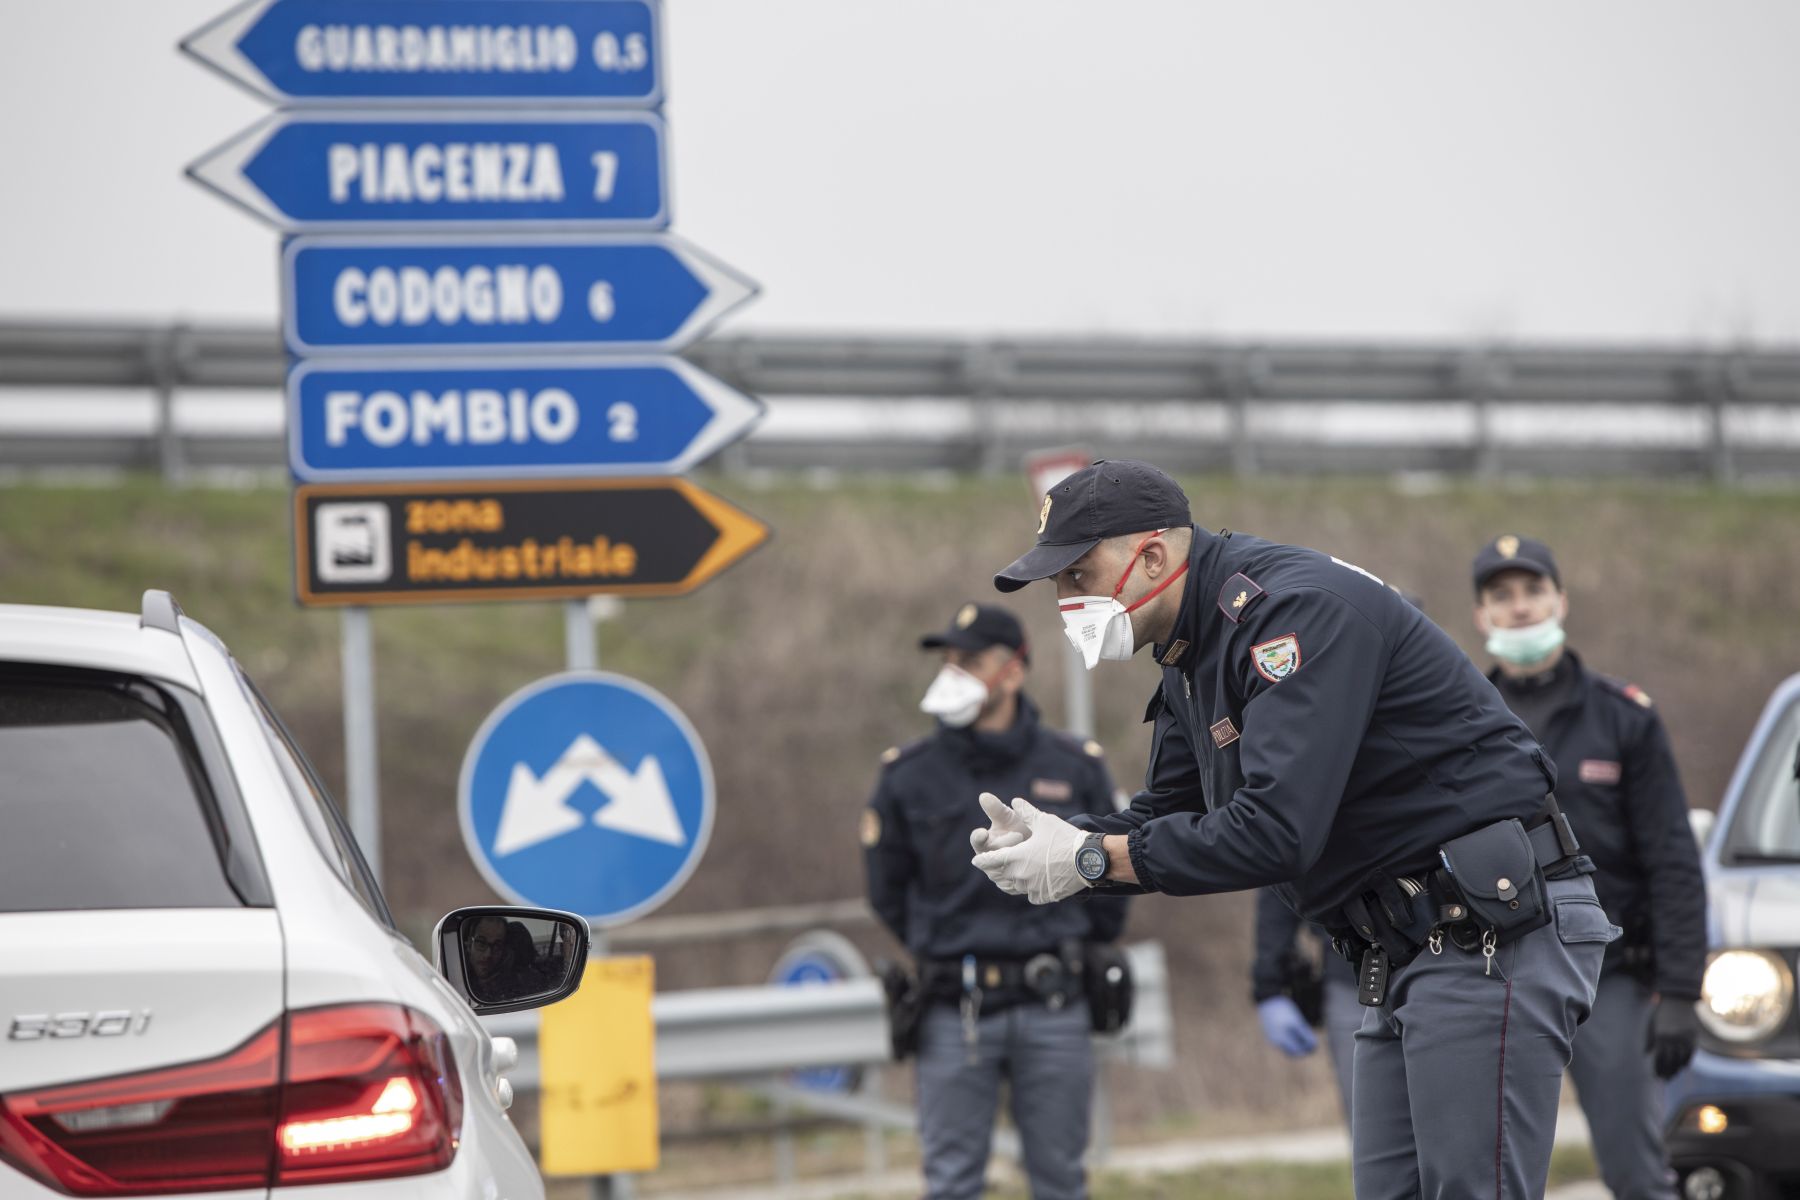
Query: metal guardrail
{"points": [[1018, 393], [684, 928], [754, 1032]]}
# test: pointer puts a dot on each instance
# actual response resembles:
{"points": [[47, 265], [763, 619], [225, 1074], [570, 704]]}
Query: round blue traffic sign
{"points": [[821, 956], [587, 792]]}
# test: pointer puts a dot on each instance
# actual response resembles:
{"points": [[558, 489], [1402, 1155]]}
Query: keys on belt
{"points": [[970, 1005]]}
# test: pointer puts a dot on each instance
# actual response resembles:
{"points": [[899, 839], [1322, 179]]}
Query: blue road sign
{"points": [[501, 419], [587, 792], [445, 169], [594, 51], [567, 292]]}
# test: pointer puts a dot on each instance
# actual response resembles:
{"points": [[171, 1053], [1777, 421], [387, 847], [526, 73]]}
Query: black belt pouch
{"points": [[1497, 873]]}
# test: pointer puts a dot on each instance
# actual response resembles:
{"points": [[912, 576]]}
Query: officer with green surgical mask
{"points": [[1617, 782]]}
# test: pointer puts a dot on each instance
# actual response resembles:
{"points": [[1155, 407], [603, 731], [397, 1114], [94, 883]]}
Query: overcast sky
{"points": [[1616, 169]]}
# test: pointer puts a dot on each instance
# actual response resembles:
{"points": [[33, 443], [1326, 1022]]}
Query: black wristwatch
{"points": [[1090, 858]]}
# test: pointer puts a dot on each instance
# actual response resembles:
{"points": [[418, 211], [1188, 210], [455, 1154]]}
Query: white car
{"points": [[201, 989]]}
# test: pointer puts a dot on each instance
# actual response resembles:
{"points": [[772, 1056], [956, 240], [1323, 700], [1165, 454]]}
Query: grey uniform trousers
{"points": [[1458, 1073], [1620, 1093], [1343, 1017], [1047, 1057]]}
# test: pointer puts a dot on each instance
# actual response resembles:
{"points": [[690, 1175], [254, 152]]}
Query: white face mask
{"points": [[1100, 626], [955, 697], [1528, 645]]}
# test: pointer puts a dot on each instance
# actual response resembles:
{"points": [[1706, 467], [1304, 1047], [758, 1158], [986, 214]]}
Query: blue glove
{"points": [[1284, 1027]]}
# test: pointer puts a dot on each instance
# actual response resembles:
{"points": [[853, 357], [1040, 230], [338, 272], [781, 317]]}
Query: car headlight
{"points": [[1746, 995]]}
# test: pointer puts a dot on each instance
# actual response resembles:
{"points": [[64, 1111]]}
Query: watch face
{"points": [[1091, 862]]}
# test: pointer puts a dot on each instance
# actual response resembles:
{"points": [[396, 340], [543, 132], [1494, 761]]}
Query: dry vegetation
{"points": [[798, 669]]}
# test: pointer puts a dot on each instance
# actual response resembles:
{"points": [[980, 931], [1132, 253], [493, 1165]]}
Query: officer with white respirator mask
{"points": [[1000, 987], [1317, 734]]}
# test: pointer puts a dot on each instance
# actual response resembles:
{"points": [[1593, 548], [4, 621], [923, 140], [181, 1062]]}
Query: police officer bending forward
{"points": [[1314, 730], [1620, 787], [1001, 998]]}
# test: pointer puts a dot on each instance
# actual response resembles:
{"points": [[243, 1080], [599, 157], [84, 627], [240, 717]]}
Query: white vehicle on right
{"points": [[1734, 1114]]}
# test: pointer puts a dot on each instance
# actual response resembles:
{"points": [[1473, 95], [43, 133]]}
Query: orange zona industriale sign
{"points": [[517, 540]]}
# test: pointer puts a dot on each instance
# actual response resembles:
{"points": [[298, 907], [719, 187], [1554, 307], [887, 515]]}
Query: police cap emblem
{"points": [[1507, 545], [965, 616]]}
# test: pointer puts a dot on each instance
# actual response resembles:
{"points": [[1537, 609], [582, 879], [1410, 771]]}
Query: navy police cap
{"points": [[1108, 499], [1510, 552], [975, 627]]}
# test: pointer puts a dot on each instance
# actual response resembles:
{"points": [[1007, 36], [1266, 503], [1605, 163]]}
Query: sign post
{"points": [[1044, 470], [362, 793]]}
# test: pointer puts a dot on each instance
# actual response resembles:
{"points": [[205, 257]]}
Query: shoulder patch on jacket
{"points": [[894, 754], [1238, 597], [1625, 691], [1277, 658], [1076, 744]]}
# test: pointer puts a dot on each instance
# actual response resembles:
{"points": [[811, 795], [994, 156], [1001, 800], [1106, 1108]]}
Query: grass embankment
{"points": [[798, 668]]}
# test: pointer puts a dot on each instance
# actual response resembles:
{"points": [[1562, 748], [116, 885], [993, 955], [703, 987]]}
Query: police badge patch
{"points": [[1276, 660], [870, 830]]}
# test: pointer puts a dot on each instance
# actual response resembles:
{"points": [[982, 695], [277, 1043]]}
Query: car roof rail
{"points": [[160, 612]]}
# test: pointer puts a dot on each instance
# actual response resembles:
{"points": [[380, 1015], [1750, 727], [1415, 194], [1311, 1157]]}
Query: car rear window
{"points": [[103, 802]]}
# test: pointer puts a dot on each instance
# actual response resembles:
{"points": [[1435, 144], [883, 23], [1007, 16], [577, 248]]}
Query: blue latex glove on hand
{"points": [[1284, 1027]]}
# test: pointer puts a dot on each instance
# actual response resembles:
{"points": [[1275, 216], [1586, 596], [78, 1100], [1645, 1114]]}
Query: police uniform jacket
{"points": [[1618, 785], [916, 840], [1311, 727]]}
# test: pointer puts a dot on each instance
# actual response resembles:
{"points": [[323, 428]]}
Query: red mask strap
{"points": [[1156, 591], [1135, 551]]}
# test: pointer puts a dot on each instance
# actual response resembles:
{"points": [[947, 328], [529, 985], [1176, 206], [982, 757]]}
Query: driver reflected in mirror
{"points": [[504, 962]]}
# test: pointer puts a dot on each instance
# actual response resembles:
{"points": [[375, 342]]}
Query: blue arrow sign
{"points": [[649, 291], [587, 792], [604, 51], [497, 419], [316, 170]]}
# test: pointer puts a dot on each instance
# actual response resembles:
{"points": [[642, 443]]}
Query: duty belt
{"points": [[944, 976], [1403, 912]]}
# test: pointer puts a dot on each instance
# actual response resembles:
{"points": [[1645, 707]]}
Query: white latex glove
{"points": [[1042, 867], [1005, 827]]}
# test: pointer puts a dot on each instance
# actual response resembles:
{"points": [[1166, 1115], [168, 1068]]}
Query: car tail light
{"points": [[323, 1095], [370, 1091]]}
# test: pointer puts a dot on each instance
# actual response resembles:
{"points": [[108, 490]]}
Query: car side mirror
{"points": [[502, 959]]}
